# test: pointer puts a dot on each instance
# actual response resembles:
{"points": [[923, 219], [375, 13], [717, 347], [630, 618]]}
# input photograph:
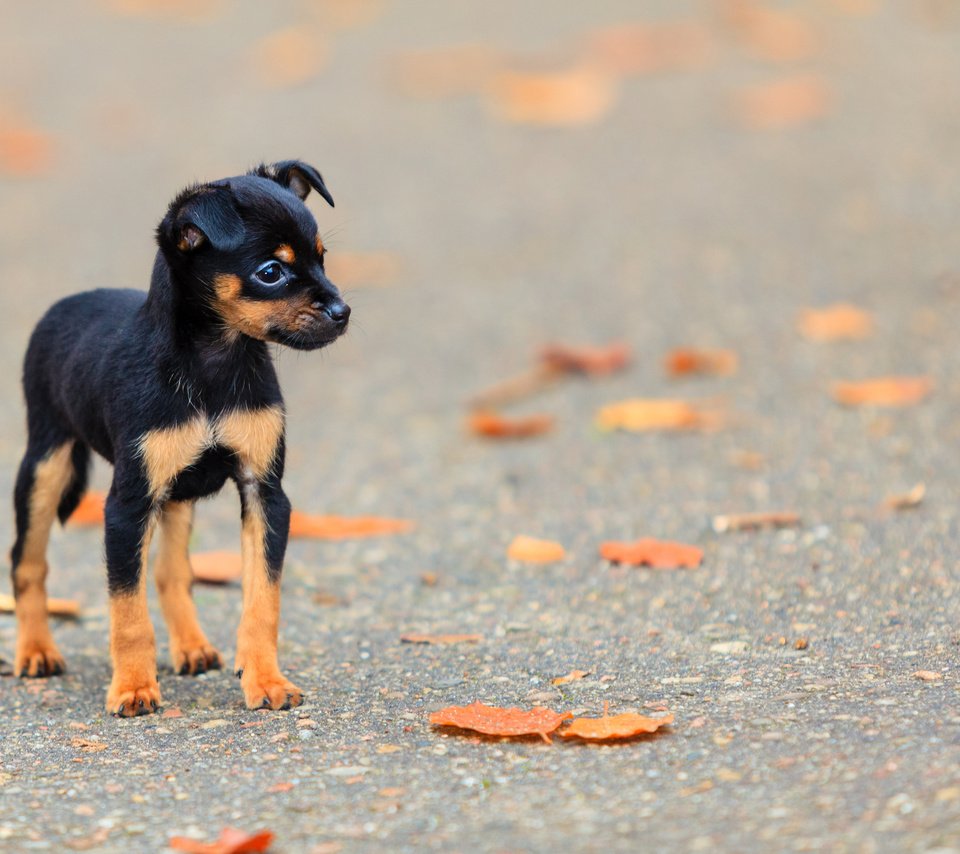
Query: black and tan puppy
{"points": [[177, 389]]}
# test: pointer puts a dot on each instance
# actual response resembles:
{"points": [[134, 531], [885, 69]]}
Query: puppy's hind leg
{"points": [[190, 650], [47, 473]]}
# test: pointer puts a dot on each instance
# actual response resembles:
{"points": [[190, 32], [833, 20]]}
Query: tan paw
{"points": [[268, 690], [38, 658], [128, 700], [191, 661]]}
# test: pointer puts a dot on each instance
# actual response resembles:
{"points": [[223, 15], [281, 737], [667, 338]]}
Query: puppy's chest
{"points": [[249, 439]]}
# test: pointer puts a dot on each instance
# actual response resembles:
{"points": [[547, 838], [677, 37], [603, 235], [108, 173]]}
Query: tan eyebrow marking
{"points": [[285, 253], [320, 249]]}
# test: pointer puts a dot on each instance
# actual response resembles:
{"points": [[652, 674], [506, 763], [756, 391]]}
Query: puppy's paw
{"points": [[38, 658], [191, 661], [127, 700], [268, 690]]}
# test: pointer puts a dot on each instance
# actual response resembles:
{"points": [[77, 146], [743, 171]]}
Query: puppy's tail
{"points": [[80, 463]]}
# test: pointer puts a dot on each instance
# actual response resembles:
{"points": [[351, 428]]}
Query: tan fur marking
{"points": [[190, 650], [133, 649], [320, 249], [256, 318], [285, 253], [168, 451], [253, 434], [35, 648]]}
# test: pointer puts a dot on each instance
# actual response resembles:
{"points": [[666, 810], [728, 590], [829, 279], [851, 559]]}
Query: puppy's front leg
{"points": [[134, 689], [266, 523]]}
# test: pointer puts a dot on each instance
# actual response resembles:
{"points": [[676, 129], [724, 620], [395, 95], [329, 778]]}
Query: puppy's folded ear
{"points": [[204, 214], [296, 176]]}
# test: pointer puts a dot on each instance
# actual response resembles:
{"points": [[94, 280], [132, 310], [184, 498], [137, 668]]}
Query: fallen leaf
{"points": [[87, 745], [305, 525], [776, 35], [785, 103], [907, 500], [687, 360], [572, 676], [494, 426], [928, 675], [289, 57], [642, 414], [615, 727], [593, 361], [362, 269], [628, 49], [231, 841], [516, 388], [659, 554], [279, 788], [491, 720], [89, 511], [172, 712], [440, 639], [24, 150], [55, 607], [532, 550], [216, 567], [883, 391], [801, 643], [838, 322], [753, 521], [446, 72], [579, 96]]}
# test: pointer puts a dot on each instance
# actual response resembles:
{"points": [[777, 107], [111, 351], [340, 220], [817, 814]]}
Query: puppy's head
{"points": [[247, 251]]}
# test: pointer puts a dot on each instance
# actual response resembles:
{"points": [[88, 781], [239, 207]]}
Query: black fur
{"points": [[105, 368]]}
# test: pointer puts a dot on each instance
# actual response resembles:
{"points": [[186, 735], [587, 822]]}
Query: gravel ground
{"points": [[666, 223]]}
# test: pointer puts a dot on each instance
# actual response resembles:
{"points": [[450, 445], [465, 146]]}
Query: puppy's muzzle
{"points": [[337, 310]]}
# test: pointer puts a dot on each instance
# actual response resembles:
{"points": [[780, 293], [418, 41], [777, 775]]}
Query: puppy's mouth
{"points": [[310, 330]]}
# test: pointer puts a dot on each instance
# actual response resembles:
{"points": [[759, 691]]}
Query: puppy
{"points": [[176, 388]]}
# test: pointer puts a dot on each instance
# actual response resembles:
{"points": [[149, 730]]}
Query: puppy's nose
{"points": [[338, 312]]}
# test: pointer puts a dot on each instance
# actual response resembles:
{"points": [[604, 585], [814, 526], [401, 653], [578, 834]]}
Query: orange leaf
{"points": [[495, 426], [659, 554], [641, 414], [231, 841], [491, 720], [772, 34], [907, 500], [883, 391], [24, 150], [440, 639], [578, 96], [835, 323], [55, 607], [217, 567], [445, 72], [649, 48], [572, 676], [531, 550], [309, 526], [752, 521], [89, 511], [616, 727], [596, 361], [784, 103], [289, 57], [688, 360], [362, 269]]}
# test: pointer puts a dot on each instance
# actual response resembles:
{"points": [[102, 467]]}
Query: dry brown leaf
{"points": [[579, 96], [308, 526], [883, 391], [532, 550], [906, 500], [24, 150], [55, 607], [839, 322], [776, 35], [491, 720], [445, 72], [289, 57], [613, 727], [87, 745], [593, 361], [278, 788], [785, 103], [629, 49], [89, 511], [928, 675], [642, 414], [572, 676], [231, 841], [362, 269], [494, 426], [687, 360], [658, 554], [753, 521], [440, 639], [216, 567]]}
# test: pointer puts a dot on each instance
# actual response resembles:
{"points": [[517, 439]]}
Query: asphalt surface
{"points": [[668, 222]]}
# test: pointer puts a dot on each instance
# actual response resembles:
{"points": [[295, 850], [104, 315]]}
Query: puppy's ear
{"points": [[298, 177], [201, 215]]}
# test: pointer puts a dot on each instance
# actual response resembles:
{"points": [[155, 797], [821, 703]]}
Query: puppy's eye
{"points": [[270, 274]]}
